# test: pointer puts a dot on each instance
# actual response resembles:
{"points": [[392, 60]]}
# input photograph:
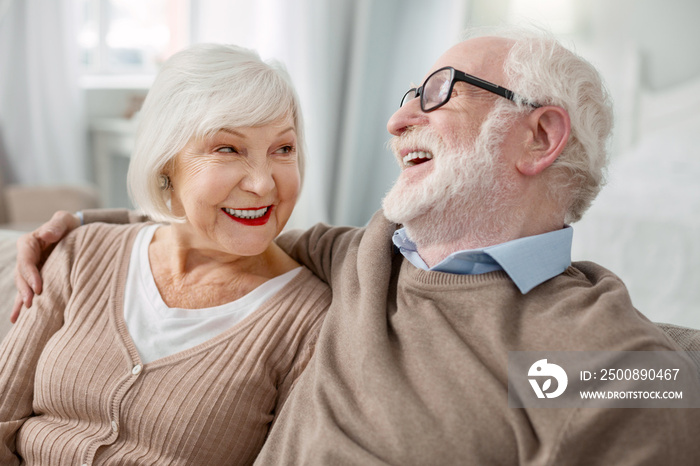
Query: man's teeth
{"points": [[257, 213], [409, 158]]}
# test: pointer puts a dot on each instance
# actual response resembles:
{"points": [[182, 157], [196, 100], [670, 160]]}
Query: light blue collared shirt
{"points": [[528, 261]]}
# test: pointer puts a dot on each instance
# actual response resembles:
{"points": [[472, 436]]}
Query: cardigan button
{"points": [[115, 427], [137, 369]]}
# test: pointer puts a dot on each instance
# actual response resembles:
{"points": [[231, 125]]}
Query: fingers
{"points": [[60, 225], [29, 255], [16, 308], [32, 250], [34, 247]]}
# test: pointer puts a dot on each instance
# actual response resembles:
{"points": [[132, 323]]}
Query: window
{"points": [[131, 37]]}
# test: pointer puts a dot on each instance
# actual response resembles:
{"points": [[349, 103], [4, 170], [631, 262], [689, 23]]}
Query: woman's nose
{"points": [[258, 180]]}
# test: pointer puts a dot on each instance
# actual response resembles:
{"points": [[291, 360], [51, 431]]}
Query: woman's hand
{"points": [[32, 250]]}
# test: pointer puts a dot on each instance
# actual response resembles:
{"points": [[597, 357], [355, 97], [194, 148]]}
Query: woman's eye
{"points": [[285, 149], [227, 150]]}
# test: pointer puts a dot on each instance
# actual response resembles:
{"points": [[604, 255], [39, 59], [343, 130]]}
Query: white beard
{"points": [[466, 197]]}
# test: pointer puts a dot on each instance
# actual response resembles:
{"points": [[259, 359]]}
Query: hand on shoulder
{"points": [[32, 250]]}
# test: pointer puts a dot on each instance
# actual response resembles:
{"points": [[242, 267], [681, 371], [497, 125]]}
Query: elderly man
{"points": [[501, 147]]}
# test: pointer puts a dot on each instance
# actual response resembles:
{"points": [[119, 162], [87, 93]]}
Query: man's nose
{"points": [[405, 117]]}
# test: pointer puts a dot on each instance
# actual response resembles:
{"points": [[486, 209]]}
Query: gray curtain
{"points": [[41, 115]]}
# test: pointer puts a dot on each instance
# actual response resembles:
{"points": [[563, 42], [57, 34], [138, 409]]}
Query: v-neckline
{"points": [[116, 312]]}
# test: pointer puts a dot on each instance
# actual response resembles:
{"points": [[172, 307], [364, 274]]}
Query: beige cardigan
{"points": [[73, 390]]}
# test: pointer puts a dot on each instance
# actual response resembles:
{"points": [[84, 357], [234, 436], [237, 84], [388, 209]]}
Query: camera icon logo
{"points": [[541, 369]]}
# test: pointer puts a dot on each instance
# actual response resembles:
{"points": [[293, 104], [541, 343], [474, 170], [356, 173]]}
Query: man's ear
{"points": [[548, 132]]}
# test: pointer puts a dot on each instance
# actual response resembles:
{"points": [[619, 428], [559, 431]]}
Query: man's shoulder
{"points": [[596, 286], [595, 307], [588, 278], [593, 272]]}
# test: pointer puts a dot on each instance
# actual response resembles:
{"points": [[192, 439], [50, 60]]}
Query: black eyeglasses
{"points": [[437, 89]]}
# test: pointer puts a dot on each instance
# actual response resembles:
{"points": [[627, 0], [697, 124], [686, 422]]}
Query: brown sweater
{"points": [[73, 390], [410, 366]]}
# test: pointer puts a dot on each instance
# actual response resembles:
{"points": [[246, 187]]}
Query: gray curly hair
{"points": [[539, 67]]}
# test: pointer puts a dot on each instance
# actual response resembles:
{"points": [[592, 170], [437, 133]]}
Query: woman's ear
{"points": [[548, 128]]}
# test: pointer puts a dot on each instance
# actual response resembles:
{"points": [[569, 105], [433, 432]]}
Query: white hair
{"points": [[542, 70], [199, 91]]}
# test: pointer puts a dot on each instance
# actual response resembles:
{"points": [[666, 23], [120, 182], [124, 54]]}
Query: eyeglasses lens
{"points": [[436, 90]]}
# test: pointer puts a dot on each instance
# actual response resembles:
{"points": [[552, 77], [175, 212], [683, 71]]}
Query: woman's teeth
{"points": [[413, 158], [248, 213]]}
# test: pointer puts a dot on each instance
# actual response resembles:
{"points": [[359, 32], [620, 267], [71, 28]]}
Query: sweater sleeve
{"points": [[22, 347], [319, 248], [120, 216], [300, 362]]}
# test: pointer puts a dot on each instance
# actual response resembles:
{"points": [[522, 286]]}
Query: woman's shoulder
{"points": [[110, 229], [101, 238], [308, 277], [306, 286]]}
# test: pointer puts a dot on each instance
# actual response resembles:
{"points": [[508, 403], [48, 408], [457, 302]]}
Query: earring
{"points": [[164, 182]]}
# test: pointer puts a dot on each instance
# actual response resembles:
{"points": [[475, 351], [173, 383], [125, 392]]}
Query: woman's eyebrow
{"points": [[241, 135], [286, 130], [232, 131]]}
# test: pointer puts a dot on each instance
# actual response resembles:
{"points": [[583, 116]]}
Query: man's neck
{"points": [[436, 239], [434, 248], [435, 252]]}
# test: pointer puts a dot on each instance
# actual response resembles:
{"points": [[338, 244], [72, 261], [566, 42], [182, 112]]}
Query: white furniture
{"points": [[645, 225], [7, 287], [112, 143]]}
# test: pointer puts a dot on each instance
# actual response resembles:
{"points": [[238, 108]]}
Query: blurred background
{"points": [[73, 74]]}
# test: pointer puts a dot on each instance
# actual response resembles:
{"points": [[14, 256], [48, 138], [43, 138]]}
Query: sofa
{"points": [[687, 338], [23, 208], [8, 252]]}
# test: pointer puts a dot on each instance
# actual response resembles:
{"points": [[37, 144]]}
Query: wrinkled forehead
{"points": [[482, 57], [275, 124]]}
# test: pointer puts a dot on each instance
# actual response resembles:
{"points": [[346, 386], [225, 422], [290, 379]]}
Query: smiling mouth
{"points": [[250, 217], [416, 158], [247, 214]]}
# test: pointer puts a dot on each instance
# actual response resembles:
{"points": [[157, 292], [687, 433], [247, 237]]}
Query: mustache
{"points": [[417, 138]]}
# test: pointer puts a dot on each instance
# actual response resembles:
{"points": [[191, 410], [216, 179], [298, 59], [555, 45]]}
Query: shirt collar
{"points": [[528, 261]]}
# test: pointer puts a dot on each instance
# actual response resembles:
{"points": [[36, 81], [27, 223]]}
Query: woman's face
{"points": [[237, 188]]}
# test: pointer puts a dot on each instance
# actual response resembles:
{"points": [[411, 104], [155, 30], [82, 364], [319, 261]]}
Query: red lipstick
{"points": [[252, 222]]}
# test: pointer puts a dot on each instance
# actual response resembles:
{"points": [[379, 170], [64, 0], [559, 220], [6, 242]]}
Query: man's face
{"points": [[450, 161], [463, 189]]}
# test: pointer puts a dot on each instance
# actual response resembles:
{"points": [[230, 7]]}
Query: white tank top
{"points": [[158, 330]]}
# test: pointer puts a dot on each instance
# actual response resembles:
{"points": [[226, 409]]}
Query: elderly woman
{"points": [[177, 342]]}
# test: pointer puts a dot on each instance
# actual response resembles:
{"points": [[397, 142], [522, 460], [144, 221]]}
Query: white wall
{"points": [[665, 31], [648, 51]]}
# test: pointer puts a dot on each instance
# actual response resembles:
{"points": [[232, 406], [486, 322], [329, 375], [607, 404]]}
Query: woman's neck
{"points": [[194, 277]]}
